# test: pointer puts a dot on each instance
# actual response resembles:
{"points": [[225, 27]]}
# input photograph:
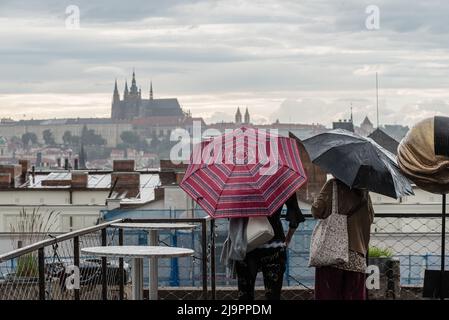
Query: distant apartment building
{"points": [[78, 196], [108, 129], [300, 130]]}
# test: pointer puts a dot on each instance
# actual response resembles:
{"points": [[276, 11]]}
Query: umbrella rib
{"points": [[224, 184]]}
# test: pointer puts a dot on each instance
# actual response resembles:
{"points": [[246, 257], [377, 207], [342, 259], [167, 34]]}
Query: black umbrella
{"points": [[358, 162]]}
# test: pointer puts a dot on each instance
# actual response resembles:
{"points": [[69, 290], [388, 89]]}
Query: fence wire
{"points": [[402, 249]]}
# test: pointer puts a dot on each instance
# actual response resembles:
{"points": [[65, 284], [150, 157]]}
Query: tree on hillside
{"points": [[133, 140], [28, 139], [71, 140], [48, 137], [90, 138], [130, 138], [67, 138]]}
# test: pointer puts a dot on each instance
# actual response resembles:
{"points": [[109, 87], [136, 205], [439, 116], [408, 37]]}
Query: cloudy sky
{"points": [[297, 61]]}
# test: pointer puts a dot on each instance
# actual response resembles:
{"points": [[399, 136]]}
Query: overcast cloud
{"points": [[296, 61]]}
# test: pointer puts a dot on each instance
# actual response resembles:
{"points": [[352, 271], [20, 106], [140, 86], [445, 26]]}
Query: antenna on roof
{"points": [[352, 118], [377, 99]]}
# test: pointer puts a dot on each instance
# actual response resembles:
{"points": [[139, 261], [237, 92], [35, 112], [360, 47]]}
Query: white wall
{"points": [[82, 216], [52, 197], [34, 197], [89, 197]]}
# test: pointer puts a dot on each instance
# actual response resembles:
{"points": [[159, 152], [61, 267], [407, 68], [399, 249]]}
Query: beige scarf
{"points": [[417, 159]]}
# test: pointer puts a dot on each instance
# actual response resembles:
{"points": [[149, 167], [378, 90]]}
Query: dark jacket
{"points": [[294, 217]]}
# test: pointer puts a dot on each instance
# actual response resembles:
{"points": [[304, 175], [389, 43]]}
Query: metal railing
{"points": [[43, 270], [414, 242]]}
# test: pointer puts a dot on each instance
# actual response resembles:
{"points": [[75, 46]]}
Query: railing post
{"points": [[76, 262], [104, 278], [41, 265], [212, 257], [120, 268], [443, 247], [204, 256]]}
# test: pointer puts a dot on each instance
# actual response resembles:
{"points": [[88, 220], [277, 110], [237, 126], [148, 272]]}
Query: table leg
{"points": [[137, 278], [153, 286]]}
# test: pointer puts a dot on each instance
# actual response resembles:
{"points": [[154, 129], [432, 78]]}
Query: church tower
{"points": [[238, 116], [126, 92], [133, 90], [247, 119], [151, 90], [115, 110]]}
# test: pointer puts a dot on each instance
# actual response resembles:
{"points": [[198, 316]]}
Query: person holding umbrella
{"points": [[345, 281], [339, 242], [269, 258], [232, 176]]}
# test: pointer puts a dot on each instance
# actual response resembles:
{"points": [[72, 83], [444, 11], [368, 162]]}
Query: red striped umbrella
{"points": [[246, 172]]}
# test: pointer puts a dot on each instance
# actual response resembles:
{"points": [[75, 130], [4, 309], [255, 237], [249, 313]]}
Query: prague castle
{"points": [[133, 105]]}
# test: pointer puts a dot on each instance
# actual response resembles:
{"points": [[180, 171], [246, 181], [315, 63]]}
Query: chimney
{"points": [[127, 183], [5, 180], [33, 174], [124, 179], [79, 179], [123, 166], [14, 171], [76, 163], [25, 164]]}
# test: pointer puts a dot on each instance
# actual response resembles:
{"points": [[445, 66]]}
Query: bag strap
{"points": [[334, 197]]}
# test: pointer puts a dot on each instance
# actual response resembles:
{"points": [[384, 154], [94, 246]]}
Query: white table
{"points": [[138, 253], [153, 229]]}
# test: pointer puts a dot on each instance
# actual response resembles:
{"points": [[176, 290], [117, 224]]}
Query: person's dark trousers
{"points": [[272, 264], [337, 284]]}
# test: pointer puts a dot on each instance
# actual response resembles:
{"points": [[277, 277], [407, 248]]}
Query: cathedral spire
{"points": [[238, 116], [247, 119], [116, 95], [125, 94], [151, 90], [133, 89]]}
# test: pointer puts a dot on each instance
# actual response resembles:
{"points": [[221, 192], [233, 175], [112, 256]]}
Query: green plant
{"points": [[376, 252], [31, 227], [27, 266]]}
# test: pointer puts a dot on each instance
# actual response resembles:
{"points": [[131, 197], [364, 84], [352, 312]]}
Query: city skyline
{"points": [[302, 62]]}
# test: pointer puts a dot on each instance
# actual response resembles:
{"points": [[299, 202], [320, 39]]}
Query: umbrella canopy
{"points": [[358, 162], [246, 172]]}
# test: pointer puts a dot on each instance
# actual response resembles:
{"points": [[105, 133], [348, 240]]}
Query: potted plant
{"points": [[30, 227], [389, 273]]}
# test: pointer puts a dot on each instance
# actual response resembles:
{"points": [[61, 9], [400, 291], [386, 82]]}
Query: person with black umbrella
{"points": [[339, 245], [345, 281]]}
